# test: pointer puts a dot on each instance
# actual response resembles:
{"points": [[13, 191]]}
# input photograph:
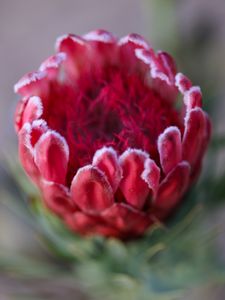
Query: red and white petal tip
{"points": [[25, 134], [39, 127], [135, 39], [65, 42], [133, 187], [19, 113], [100, 36], [170, 148], [168, 64], [26, 153], [151, 175], [53, 62], [143, 55], [27, 80], [107, 161], [149, 58], [182, 83], [40, 123], [33, 109], [193, 97]]}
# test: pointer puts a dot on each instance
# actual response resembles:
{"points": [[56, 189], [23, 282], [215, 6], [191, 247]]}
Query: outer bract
{"points": [[101, 135]]}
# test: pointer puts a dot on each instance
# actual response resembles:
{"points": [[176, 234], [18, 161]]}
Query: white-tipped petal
{"points": [[107, 161], [135, 39], [51, 155], [28, 79], [170, 148], [133, 187], [151, 175], [91, 191]]}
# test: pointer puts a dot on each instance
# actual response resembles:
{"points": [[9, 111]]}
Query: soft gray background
{"points": [[28, 29]]}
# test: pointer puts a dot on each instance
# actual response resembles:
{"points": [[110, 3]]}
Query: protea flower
{"points": [[103, 135]]}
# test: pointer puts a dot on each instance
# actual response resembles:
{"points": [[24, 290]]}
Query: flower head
{"points": [[102, 134]]}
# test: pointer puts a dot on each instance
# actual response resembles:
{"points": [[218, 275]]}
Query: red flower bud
{"points": [[101, 135]]}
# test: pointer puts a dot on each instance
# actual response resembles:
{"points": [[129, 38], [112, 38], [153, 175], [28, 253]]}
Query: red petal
{"points": [[33, 83], [182, 83], [193, 97], [57, 198], [103, 49], [106, 160], [196, 130], [76, 51], [205, 140], [81, 222], [26, 153], [151, 175], [162, 82], [69, 43], [33, 110], [173, 187], [125, 218], [133, 187], [127, 47], [169, 147], [38, 128], [89, 225], [52, 64], [168, 64], [106, 231], [51, 156], [91, 190], [19, 113]]}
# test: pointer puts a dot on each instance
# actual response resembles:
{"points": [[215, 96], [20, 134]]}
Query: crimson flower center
{"points": [[115, 109]]}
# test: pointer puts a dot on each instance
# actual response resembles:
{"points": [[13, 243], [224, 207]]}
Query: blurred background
{"points": [[192, 31]]}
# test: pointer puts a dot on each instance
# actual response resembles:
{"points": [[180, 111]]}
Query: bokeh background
{"points": [[193, 31]]}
